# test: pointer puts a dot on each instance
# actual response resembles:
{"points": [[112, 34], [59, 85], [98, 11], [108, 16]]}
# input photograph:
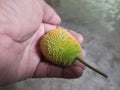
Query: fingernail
{"points": [[83, 53], [80, 38]]}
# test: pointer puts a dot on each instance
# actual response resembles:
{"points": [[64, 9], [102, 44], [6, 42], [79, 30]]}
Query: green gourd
{"points": [[61, 48]]}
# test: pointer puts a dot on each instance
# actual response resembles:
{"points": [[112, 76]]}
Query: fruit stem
{"points": [[94, 69]]}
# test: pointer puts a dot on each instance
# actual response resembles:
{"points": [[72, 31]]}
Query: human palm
{"points": [[22, 23]]}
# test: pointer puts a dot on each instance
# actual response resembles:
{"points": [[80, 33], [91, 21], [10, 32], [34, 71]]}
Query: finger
{"points": [[50, 16], [83, 54], [72, 72], [47, 70], [79, 64], [78, 36], [50, 70], [49, 27]]}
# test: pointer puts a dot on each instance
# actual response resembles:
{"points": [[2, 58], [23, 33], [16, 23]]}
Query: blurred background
{"points": [[99, 23]]}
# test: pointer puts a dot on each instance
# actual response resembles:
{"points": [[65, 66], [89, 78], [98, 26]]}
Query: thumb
{"points": [[50, 16]]}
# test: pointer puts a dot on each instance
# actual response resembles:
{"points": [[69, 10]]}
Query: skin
{"points": [[22, 23]]}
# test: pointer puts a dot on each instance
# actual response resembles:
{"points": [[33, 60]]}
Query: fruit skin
{"points": [[60, 47]]}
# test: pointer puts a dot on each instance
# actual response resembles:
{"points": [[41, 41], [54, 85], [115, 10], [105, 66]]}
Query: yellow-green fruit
{"points": [[60, 47]]}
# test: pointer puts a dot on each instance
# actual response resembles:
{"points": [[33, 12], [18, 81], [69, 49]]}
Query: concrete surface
{"points": [[98, 21]]}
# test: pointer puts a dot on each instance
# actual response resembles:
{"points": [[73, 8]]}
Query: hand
{"points": [[22, 24]]}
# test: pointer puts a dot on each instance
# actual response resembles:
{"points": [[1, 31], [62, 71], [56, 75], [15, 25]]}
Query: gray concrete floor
{"points": [[98, 21]]}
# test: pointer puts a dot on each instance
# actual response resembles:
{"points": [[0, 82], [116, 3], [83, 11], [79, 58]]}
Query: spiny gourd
{"points": [[61, 48]]}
